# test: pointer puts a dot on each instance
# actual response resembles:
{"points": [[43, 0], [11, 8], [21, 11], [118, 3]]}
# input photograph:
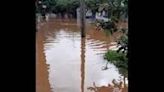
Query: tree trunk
{"points": [[124, 81]]}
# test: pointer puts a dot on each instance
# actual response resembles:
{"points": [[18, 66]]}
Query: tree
{"points": [[52, 4], [60, 6], [93, 5], [118, 8], [123, 42]]}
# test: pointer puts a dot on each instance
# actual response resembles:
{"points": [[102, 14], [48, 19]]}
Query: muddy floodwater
{"points": [[65, 62]]}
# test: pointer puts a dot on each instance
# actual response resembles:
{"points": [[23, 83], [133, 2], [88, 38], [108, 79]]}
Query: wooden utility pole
{"points": [[83, 34], [82, 17]]}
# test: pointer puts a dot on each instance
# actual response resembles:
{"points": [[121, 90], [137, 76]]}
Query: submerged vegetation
{"points": [[119, 57], [117, 9]]}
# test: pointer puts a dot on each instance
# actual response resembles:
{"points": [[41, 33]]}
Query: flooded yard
{"points": [[65, 62]]}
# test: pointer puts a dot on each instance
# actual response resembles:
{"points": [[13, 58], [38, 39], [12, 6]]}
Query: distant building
{"points": [[89, 14]]}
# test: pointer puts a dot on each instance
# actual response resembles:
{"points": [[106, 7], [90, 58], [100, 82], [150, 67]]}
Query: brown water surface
{"points": [[68, 63]]}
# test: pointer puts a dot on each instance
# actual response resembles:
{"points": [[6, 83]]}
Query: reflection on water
{"points": [[108, 88], [75, 63], [82, 63], [42, 83]]}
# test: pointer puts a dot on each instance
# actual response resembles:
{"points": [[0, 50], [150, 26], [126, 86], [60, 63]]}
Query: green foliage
{"points": [[118, 7], [119, 60], [124, 39], [110, 26], [114, 56], [123, 71], [61, 5], [92, 4], [115, 8]]}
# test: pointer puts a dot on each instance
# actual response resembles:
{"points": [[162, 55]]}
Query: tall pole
{"points": [[83, 34], [82, 17]]}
